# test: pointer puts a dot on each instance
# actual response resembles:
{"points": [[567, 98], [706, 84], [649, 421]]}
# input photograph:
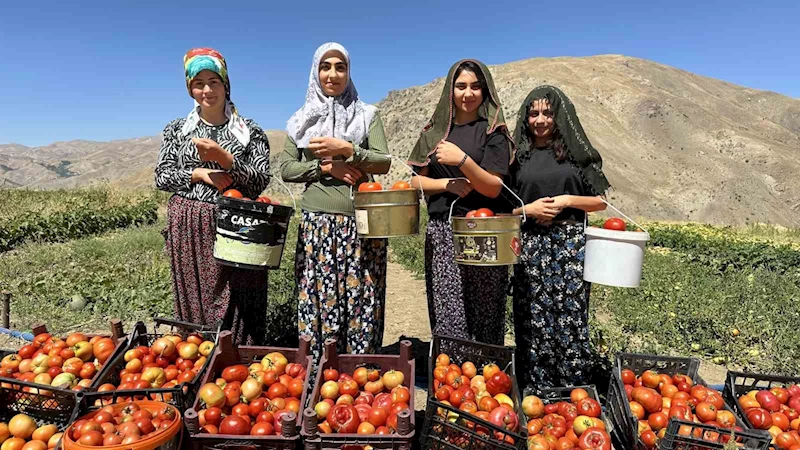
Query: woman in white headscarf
{"points": [[335, 142]]}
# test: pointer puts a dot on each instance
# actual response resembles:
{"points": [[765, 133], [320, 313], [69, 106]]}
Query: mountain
{"points": [[675, 145]]}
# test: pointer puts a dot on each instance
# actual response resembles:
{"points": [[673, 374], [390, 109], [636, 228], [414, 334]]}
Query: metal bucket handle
{"points": [[450, 217], [280, 180], [623, 215], [391, 157]]}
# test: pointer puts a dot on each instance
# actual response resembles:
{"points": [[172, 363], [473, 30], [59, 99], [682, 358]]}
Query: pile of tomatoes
{"points": [[566, 425], [127, 425], [485, 396], [655, 398], [168, 362], [69, 363], [252, 400], [372, 186], [21, 432], [364, 402], [776, 410]]}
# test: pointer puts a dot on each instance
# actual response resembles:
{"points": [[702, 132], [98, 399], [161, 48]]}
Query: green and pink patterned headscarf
{"points": [[195, 61]]}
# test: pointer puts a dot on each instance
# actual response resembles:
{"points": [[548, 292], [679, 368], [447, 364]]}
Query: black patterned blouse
{"points": [[178, 157]]}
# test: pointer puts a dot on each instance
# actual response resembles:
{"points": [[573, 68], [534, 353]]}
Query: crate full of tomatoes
{"points": [[566, 418], [64, 365], [767, 402], [250, 396], [474, 398], [157, 365], [361, 400], [647, 392]]}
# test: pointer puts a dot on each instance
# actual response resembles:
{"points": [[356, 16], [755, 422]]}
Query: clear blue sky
{"points": [[113, 69]]}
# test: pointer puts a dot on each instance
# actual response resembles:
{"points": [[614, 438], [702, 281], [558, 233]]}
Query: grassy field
{"points": [[125, 274], [19, 204]]}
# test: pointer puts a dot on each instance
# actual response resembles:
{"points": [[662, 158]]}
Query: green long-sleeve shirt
{"points": [[327, 194]]}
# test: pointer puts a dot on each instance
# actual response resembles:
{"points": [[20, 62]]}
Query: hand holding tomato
{"points": [[341, 171], [449, 154]]}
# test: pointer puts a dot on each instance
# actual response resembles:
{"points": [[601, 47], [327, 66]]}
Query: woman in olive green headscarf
{"points": [[558, 174], [463, 154]]}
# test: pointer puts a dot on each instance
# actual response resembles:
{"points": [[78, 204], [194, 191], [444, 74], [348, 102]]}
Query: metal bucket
{"points": [[384, 214], [487, 241], [250, 235]]}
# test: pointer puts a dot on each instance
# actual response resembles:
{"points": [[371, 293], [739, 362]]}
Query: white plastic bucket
{"points": [[614, 258]]}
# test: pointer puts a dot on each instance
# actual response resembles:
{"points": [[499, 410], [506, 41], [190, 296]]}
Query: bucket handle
{"points": [[391, 157], [450, 217], [280, 180], [623, 215]]}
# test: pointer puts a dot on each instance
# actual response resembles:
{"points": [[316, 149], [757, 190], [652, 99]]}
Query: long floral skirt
{"points": [[467, 302], [341, 281], [206, 292], [551, 308]]}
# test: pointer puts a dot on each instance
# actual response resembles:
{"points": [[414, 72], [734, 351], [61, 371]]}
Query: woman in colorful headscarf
{"points": [[462, 156], [335, 141], [202, 155], [559, 176]]}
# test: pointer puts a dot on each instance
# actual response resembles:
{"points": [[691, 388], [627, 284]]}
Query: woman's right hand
{"points": [[459, 186], [212, 177], [543, 209], [341, 171]]}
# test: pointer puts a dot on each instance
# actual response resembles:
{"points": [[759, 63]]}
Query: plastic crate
{"points": [[740, 383], [696, 436], [559, 394], [60, 417], [58, 401], [110, 372], [625, 424], [441, 433], [402, 440], [228, 354]]}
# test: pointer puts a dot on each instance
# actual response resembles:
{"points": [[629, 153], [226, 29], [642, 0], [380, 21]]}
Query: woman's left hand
{"points": [[329, 147], [449, 154], [211, 151]]}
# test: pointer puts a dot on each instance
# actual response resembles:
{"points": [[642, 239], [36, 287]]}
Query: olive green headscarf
{"points": [[579, 150], [440, 124]]}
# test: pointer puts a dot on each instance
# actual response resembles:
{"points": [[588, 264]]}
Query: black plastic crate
{"points": [[440, 433], [740, 383], [180, 395], [52, 405], [624, 423], [60, 417], [682, 435]]}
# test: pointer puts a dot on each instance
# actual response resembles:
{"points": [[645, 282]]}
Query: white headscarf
{"points": [[344, 117]]}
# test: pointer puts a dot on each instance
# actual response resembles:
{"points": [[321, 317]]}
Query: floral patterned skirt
{"points": [[341, 281], [551, 308], [206, 292], [467, 302]]}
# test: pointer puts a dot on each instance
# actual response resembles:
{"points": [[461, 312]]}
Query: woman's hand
{"points": [[211, 151], [341, 171], [329, 147], [449, 154], [212, 177], [543, 210], [459, 186]]}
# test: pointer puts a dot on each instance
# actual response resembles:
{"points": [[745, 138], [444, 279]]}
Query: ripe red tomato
{"points": [[759, 418], [235, 425], [499, 383], [262, 429], [233, 193], [263, 200], [401, 185], [369, 186], [344, 418], [378, 416], [91, 439], [484, 212], [589, 407], [330, 374], [241, 409], [400, 394], [614, 223]]}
